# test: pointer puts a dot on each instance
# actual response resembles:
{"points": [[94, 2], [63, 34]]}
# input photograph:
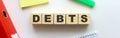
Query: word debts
{"points": [[60, 18]]}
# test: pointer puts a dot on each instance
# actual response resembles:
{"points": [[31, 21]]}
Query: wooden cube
{"points": [[59, 18], [35, 18], [84, 18], [47, 18], [72, 19]]}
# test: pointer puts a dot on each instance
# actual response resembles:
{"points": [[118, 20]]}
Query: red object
{"points": [[7, 29]]}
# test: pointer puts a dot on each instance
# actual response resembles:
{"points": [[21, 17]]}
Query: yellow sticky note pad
{"points": [[27, 3]]}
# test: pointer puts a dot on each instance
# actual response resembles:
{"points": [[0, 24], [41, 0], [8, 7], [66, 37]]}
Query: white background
{"points": [[105, 19]]}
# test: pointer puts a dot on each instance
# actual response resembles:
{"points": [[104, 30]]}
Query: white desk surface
{"points": [[105, 18]]}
